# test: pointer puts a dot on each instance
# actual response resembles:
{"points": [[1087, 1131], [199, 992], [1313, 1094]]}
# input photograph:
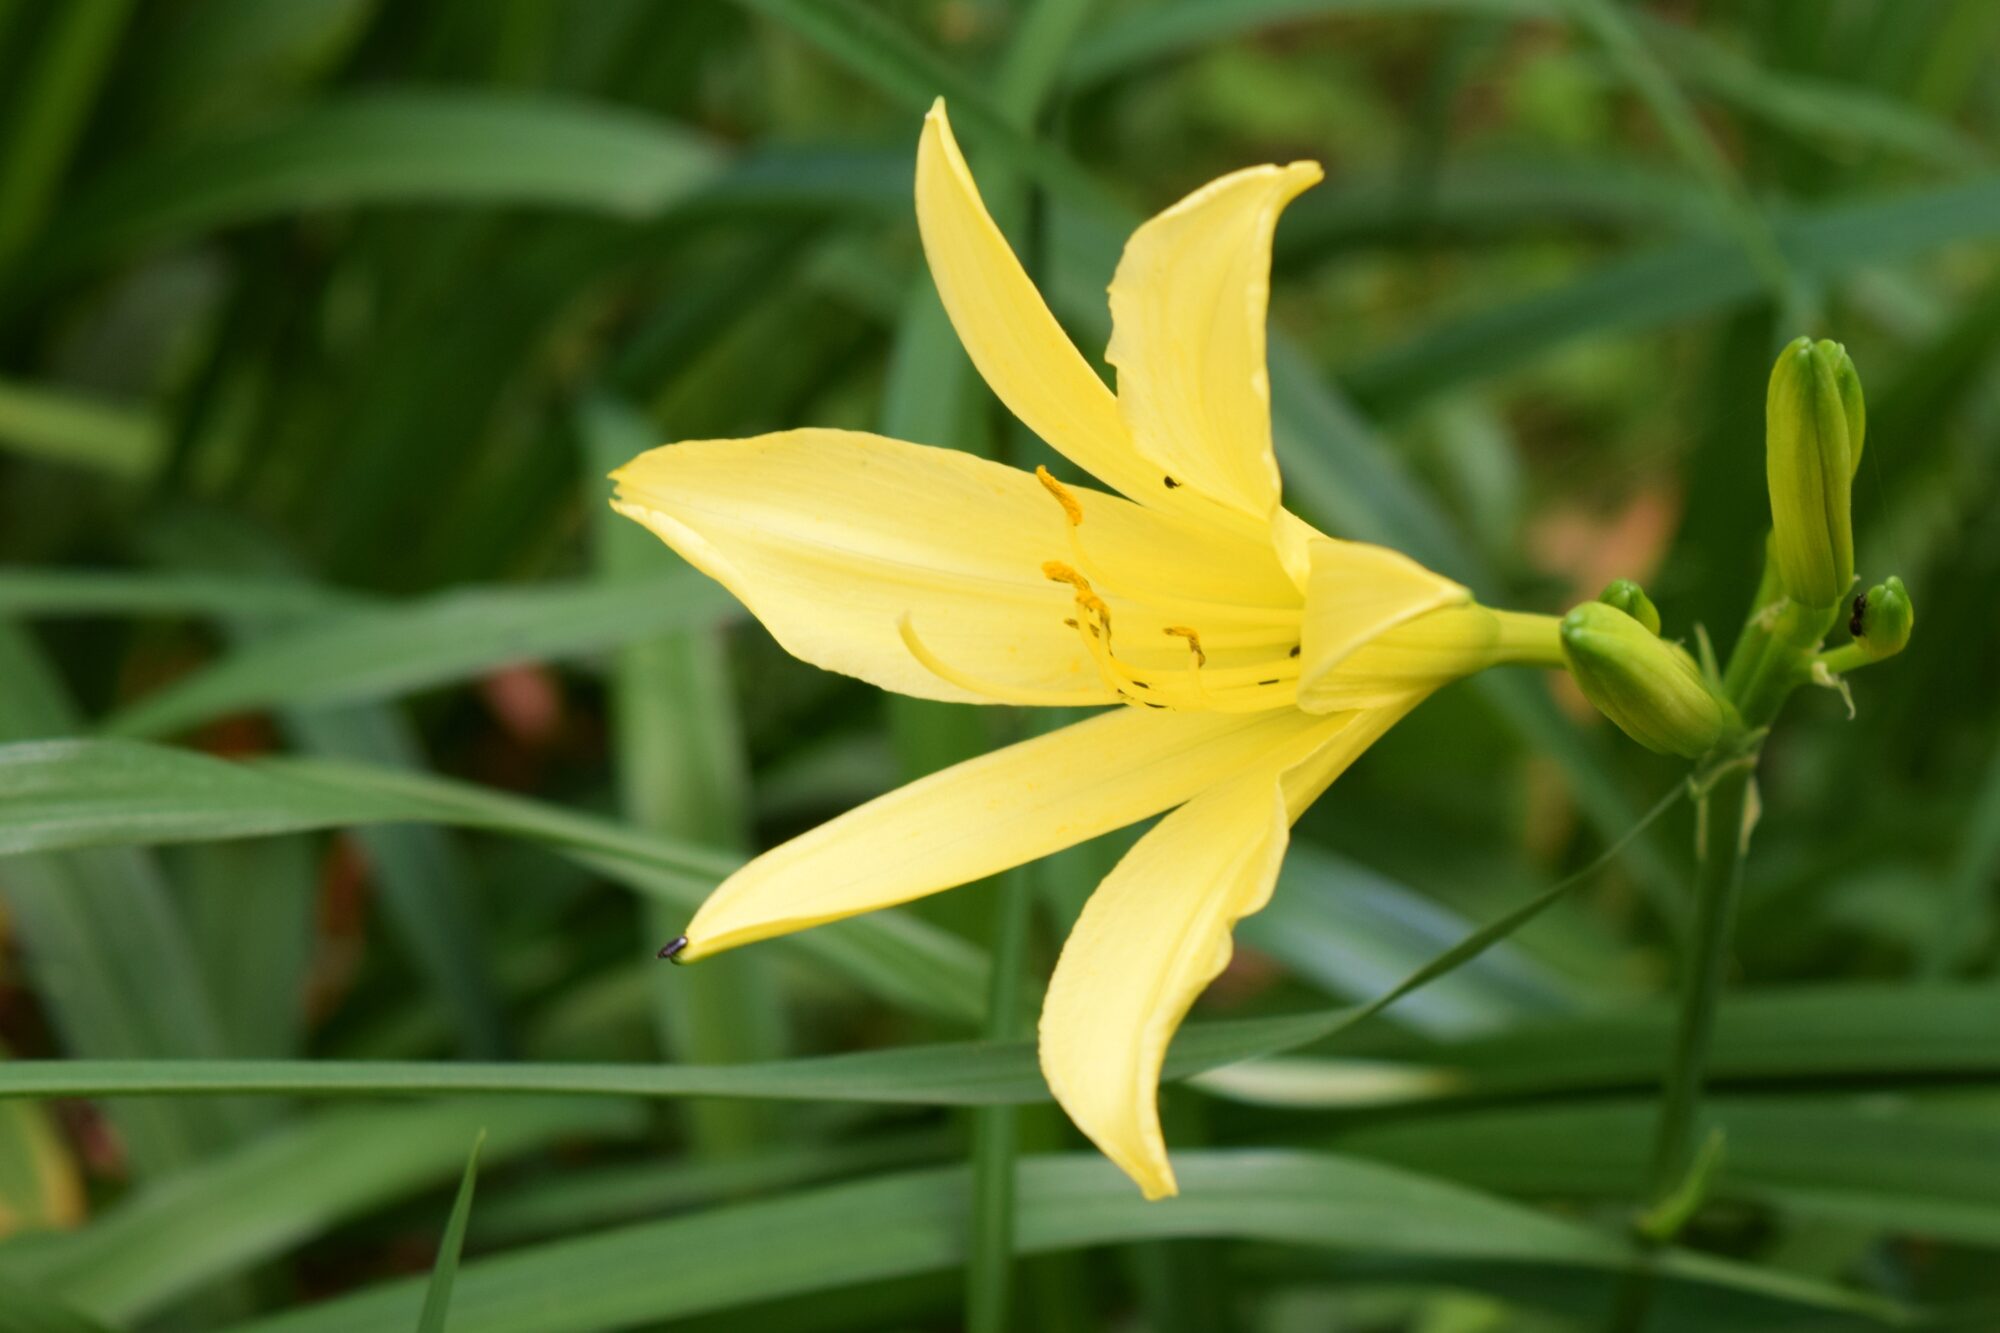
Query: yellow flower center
{"points": [[1269, 638]]}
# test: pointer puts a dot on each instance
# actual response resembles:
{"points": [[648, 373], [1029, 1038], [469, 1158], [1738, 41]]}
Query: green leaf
{"points": [[683, 768], [876, 48], [85, 432], [1674, 283], [913, 1223], [1903, 1165], [437, 1297], [24, 1311], [255, 1203], [1868, 1033], [106, 947], [41, 1188], [1800, 104], [68, 794], [402, 147], [1355, 932], [89, 592], [372, 654], [1153, 32], [47, 110]]}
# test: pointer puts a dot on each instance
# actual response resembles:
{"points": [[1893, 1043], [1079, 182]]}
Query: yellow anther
{"points": [[1086, 597], [1063, 497], [1193, 641]]}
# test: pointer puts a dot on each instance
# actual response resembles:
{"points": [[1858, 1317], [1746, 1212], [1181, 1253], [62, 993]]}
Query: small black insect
{"points": [[1294, 652], [1171, 483], [1860, 608], [671, 950]]}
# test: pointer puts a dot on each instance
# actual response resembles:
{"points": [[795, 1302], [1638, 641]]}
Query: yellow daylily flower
{"points": [[1246, 658]]}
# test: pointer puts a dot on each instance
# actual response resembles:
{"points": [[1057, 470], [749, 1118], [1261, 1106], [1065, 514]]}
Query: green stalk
{"points": [[49, 110], [681, 769], [1771, 659], [1725, 813], [989, 1276]]}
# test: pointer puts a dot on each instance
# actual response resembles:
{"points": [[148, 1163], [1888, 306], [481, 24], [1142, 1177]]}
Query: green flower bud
{"points": [[1852, 405], [1651, 688], [1813, 416], [1630, 598], [1882, 620]]}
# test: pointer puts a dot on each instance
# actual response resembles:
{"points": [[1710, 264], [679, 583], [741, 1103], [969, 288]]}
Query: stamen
{"points": [[1193, 640], [1011, 694], [1071, 508], [1055, 571], [1164, 605]]}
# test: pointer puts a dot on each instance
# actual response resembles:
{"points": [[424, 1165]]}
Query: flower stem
{"points": [[1528, 639], [989, 1277], [1726, 811], [1726, 805]]}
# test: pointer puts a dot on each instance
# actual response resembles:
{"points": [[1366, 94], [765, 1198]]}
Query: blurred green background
{"points": [[320, 323]]}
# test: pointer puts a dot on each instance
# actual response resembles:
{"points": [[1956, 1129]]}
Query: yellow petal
{"points": [[834, 538], [996, 811], [1008, 331], [1156, 932], [1355, 594], [1188, 312]]}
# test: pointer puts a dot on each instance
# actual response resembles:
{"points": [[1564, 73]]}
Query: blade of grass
{"points": [[25, 1311], [895, 1225], [1355, 932], [48, 111], [1804, 106], [1897, 1039], [467, 147], [682, 770], [1965, 908], [437, 1297], [589, 1197], [255, 1203], [1011, 1064], [901, 68], [89, 592], [40, 422], [1902, 1167], [373, 654], [1675, 283], [41, 1188], [106, 947], [1628, 54], [65, 794]]}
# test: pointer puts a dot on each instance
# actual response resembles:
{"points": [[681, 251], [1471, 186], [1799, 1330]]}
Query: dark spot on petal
{"points": [[1294, 652], [1171, 483], [1272, 681]]}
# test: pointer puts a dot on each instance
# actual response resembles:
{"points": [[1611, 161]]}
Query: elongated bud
{"points": [[1813, 416], [1630, 598], [1882, 620], [1651, 688], [1852, 405]]}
